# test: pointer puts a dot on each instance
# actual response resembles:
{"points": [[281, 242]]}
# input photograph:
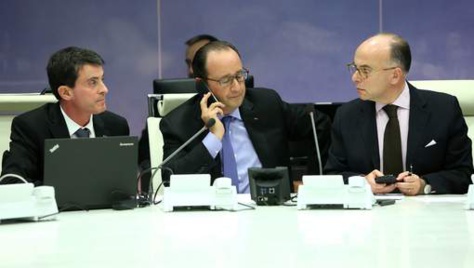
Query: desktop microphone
{"points": [[208, 125], [310, 110]]}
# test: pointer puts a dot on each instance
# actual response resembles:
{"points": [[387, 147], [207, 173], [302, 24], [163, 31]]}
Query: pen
{"points": [[411, 170]]}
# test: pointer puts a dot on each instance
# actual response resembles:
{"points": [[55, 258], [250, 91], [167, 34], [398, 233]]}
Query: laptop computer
{"points": [[91, 173]]}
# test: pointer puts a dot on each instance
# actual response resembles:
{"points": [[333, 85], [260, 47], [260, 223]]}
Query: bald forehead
{"points": [[221, 55], [223, 61], [378, 43], [378, 46]]}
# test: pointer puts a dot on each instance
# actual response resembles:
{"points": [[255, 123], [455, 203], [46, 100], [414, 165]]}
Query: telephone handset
{"points": [[202, 89]]}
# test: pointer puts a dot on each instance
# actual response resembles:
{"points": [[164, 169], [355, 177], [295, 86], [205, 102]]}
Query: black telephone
{"points": [[202, 89], [387, 179]]}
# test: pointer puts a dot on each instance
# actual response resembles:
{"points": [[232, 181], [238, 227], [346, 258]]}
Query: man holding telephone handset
{"points": [[252, 125]]}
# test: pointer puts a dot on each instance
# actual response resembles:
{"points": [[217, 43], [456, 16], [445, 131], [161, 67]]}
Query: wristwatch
{"points": [[427, 189]]}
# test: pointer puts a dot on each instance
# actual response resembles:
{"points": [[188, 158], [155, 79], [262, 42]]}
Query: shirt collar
{"points": [[235, 114], [402, 101], [72, 126]]}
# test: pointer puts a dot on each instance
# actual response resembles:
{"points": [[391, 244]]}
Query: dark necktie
{"points": [[229, 167], [83, 133], [392, 143]]}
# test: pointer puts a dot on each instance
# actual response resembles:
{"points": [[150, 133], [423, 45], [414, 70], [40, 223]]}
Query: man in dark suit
{"points": [[76, 77], [259, 127], [432, 152], [193, 44]]}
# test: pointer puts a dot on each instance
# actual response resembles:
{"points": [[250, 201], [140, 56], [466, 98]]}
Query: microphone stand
{"points": [[315, 136]]}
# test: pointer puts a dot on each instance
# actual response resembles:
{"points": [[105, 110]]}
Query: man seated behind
{"points": [[76, 77], [193, 44]]}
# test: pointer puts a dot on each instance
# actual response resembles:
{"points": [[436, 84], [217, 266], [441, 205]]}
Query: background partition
{"points": [[299, 48]]}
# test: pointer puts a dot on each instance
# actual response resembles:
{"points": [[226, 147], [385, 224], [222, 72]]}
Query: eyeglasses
{"points": [[226, 81], [365, 71]]}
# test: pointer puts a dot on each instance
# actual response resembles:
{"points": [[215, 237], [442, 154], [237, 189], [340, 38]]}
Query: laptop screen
{"points": [[91, 173]]}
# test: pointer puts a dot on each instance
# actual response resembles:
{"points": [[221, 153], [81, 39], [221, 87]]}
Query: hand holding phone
{"points": [[202, 88], [386, 179]]}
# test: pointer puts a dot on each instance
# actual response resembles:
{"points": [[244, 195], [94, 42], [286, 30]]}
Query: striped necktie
{"points": [[83, 133]]}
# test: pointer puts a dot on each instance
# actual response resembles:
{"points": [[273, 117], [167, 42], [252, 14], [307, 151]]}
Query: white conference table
{"points": [[425, 231]]}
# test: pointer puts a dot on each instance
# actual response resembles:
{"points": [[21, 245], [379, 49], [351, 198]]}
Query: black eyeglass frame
{"points": [[226, 81], [352, 67]]}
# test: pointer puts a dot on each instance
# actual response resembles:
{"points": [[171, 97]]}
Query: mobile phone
{"points": [[386, 179], [202, 89], [386, 202]]}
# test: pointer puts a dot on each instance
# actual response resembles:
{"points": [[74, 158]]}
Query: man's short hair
{"points": [[193, 40], [64, 65], [200, 59], [400, 51]]}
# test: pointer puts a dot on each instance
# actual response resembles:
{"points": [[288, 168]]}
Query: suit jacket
{"points": [[29, 130], [270, 122], [446, 166]]}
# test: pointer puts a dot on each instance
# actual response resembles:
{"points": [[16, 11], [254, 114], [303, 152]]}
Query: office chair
{"points": [[159, 106]]}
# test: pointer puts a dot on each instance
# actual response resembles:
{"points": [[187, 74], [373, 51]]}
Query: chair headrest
{"points": [[462, 89], [170, 101]]}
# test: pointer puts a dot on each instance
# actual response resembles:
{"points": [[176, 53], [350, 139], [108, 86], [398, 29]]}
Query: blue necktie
{"points": [[228, 158], [83, 133]]}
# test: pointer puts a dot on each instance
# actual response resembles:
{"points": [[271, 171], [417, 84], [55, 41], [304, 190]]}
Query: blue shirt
{"points": [[245, 154]]}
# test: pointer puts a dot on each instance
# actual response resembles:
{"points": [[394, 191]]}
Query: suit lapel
{"points": [[252, 124], [417, 124], [58, 127], [99, 127], [369, 131], [57, 124]]}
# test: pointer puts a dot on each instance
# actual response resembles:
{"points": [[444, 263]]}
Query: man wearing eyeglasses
{"points": [[253, 125], [418, 136]]}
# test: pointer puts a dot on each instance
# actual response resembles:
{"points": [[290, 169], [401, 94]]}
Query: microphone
{"points": [[310, 110], [209, 124]]}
